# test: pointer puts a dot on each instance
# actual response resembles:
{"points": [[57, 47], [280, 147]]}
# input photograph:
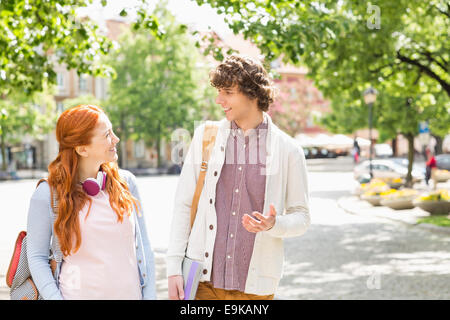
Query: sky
{"points": [[186, 11]]}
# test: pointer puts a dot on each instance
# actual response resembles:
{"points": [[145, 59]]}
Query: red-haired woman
{"points": [[101, 244]]}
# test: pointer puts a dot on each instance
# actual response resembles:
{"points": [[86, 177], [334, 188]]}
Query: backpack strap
{"points": [[209, 138]]}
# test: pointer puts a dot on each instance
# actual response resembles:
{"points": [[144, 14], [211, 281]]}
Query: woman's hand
{"points": [[176, 290]]}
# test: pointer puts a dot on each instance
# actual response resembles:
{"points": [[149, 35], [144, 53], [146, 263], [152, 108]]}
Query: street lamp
{"points": [[370, 95]]}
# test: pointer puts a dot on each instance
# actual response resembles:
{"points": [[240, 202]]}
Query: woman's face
{"points": [[103, 144]]}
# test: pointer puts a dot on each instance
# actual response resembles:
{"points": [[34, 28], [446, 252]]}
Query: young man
{"points": [[255, 193]]}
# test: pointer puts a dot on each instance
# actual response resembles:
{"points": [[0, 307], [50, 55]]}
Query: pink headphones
{"points": [[93, 186]]}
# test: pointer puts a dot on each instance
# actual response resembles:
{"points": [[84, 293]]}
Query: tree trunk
{"points": [[158, 146], [394, 147], [410, 138], [3, 146], [439, 142]]}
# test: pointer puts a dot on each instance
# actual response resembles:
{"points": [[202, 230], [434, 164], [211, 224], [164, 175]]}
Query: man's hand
{"points": [[176, 290], [263, 224]]}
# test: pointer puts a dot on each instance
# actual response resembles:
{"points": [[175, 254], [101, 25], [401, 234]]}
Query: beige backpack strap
{"points": [[209, 138]]}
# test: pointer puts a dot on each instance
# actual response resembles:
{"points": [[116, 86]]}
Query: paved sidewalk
{"points": [[4, 290]]}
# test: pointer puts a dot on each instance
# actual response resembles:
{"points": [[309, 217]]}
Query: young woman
{"points": [[99, 225]]}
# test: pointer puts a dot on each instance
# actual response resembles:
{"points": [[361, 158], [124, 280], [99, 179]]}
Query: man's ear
{"points": [[82, 151]]}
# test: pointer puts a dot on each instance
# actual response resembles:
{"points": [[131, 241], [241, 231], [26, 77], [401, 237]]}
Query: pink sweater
{"points": [[105, 265]]}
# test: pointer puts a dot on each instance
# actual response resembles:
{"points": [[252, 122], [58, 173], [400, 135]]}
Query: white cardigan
{"points": [[286, 188]]}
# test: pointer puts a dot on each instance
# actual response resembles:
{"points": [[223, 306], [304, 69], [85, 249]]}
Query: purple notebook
{"points": [[192, 271]]}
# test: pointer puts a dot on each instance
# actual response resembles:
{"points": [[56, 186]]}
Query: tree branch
{"points": [[432, 59], [426, 70], [419, 74], [445, 13]]}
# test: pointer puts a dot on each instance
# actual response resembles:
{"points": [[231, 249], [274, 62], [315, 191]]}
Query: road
{"points": [[341, 256]]}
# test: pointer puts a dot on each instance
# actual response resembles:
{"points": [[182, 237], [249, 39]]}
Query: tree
{"points": [[160, 85], [39, 34], [385, 39], [84, 99], [399, 47], [21, 115], [392, 115]]}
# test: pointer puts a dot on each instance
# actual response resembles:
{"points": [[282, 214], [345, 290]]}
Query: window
{"points": [[60, 81], [101, 88], [82, 84], [139, 149]]}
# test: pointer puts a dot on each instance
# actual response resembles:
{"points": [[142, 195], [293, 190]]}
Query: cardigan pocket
{"points": [[197, 239], [270, 254]]}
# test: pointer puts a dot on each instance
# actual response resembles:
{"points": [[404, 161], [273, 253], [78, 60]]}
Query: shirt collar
{"points": [[235, 129]]}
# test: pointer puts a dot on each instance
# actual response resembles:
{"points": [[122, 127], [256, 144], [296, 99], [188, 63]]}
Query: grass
{"points": [[441, 220]]}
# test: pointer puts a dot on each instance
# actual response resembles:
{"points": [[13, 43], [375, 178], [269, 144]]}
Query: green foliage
{"points": [[160, 85], [84, 99], [399, 47], [36, 35], [22, 115], [438, 220]]}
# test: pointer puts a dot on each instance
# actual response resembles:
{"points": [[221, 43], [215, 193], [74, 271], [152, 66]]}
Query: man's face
{"points": [[235, 104]]}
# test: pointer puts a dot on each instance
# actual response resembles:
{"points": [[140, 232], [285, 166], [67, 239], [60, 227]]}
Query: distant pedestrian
{"points": [[356, 151], [255, 194], [99, 226], [431, 167], [355, 155]]}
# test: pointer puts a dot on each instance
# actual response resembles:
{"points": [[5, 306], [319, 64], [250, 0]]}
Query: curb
{"points": [[341, 202]]}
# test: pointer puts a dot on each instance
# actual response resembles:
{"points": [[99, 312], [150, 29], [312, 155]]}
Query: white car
{"points": [[384, 169]]}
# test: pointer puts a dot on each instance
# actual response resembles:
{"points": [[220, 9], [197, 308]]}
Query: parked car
{"points": [[384, 169], [443, 161], [318, 153], [174, 169], [404, 162]]}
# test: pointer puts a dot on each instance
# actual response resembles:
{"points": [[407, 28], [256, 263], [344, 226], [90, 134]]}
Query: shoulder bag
{"points": [[192, 269]]}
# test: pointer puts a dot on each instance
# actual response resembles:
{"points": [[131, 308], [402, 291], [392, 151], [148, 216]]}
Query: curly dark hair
{"points": [[250, 77]]}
